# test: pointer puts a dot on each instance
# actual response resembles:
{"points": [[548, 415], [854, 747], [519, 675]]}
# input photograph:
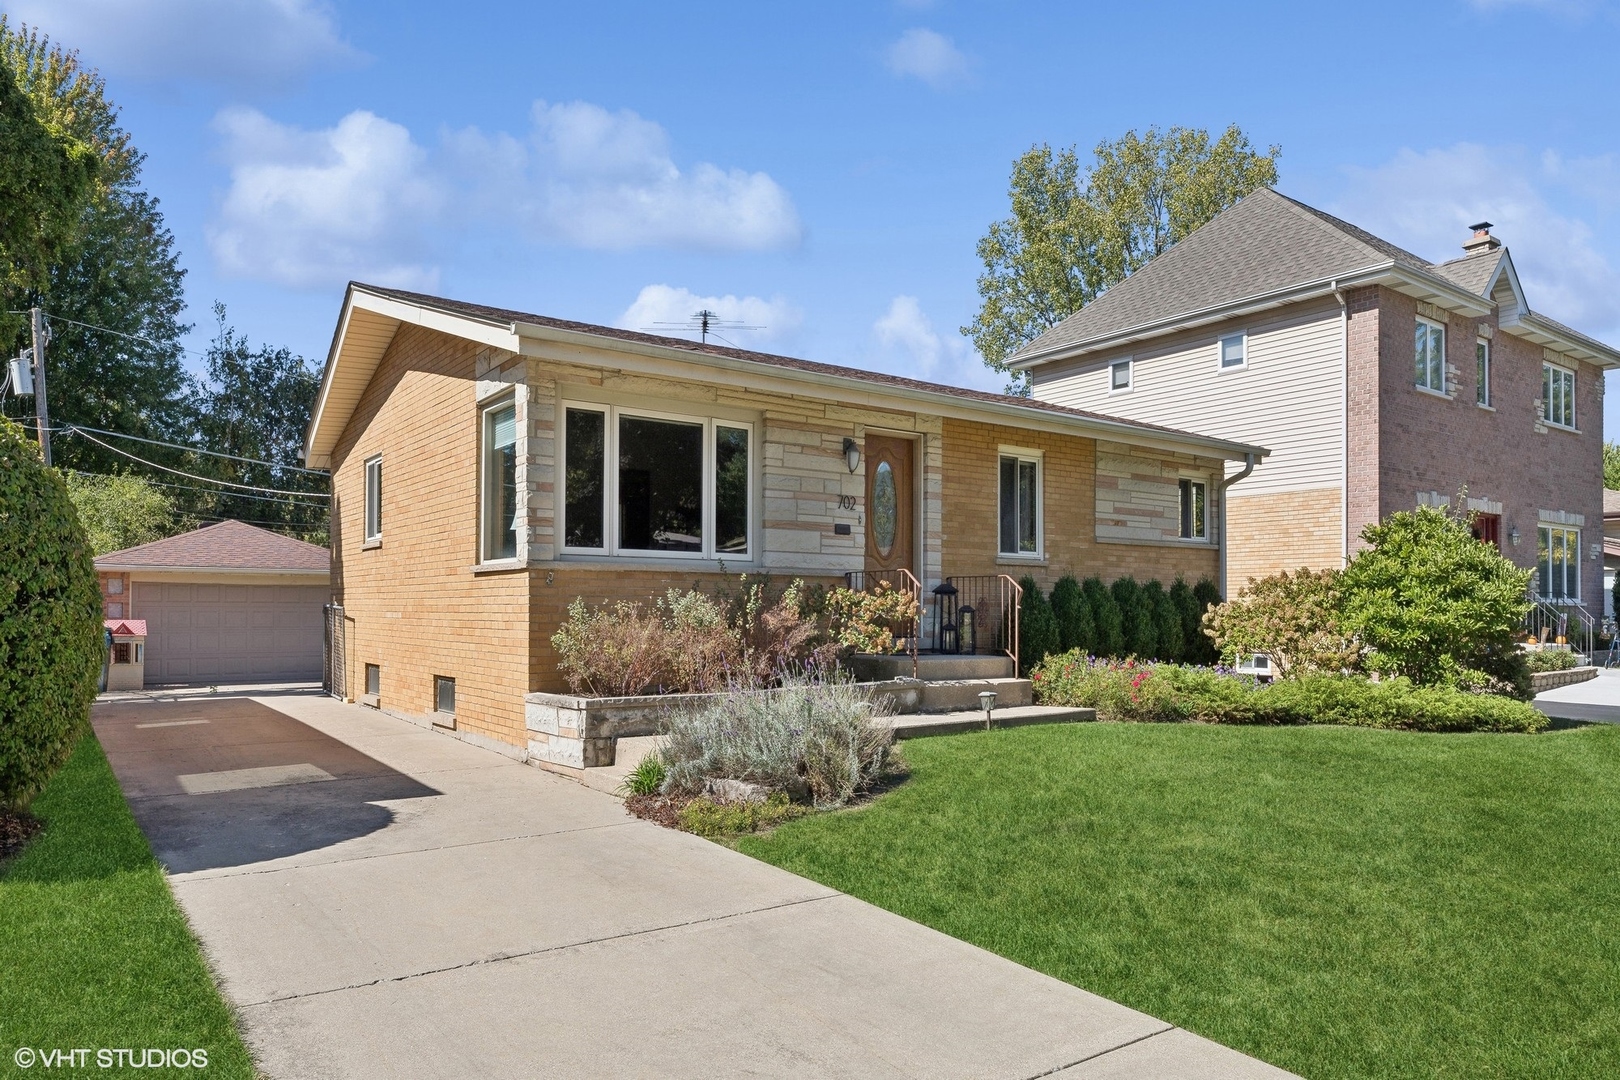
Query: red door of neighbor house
{"points": [[1487, 528]]}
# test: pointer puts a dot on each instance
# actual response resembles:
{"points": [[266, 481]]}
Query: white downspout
{"points": [[1220, 492], [1344, 465]]}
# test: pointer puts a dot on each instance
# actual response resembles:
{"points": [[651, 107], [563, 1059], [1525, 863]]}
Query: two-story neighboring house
{"points": [[1378, 380]]}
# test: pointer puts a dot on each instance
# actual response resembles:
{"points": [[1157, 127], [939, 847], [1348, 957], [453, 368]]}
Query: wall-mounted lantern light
{"points": [[852, 454], [1513, 537]]}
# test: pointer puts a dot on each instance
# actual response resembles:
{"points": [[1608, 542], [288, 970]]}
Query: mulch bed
{"points": [[15, 832], [658, 809]]}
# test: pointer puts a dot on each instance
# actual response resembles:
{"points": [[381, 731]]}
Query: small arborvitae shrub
{"points": [[50, 621], [1166, 623], [1076, 630], [1037, 626], [1136, 614], [1106, 619], [1191, 615], [1205, 595]]}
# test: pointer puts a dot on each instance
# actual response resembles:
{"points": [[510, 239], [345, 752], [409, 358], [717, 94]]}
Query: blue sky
{"points": [[823, 170]]}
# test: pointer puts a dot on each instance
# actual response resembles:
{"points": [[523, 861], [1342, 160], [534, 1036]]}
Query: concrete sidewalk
{"points": [[382, 901], [1595, 701]]}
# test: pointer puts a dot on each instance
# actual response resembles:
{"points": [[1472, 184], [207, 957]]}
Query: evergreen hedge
{"points": [[50, 621], [1037, 626]]}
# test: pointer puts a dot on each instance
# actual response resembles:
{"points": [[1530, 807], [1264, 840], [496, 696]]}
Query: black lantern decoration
{"points": [[967, 629], [946, 638]]}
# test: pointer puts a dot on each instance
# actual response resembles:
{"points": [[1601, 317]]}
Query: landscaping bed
{"points": [[1340, 902], [93, 949]]}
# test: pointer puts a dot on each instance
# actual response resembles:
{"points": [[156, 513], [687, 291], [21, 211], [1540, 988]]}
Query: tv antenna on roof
{"points": [[705, 322]]}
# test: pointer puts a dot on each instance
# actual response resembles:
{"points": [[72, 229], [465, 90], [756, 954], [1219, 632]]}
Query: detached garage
{"points": [[228, 603]]}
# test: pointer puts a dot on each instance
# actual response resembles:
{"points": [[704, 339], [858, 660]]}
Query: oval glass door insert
{"points": [[884, 507]]}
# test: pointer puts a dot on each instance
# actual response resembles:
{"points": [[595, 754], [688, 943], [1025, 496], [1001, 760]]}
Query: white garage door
{"points": [[230, 633]]}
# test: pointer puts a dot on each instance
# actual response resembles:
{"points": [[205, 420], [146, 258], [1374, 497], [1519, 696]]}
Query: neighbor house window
{"points": [[500, 518], [1559, 563], [1234, 351], [373, 529], [1194, 511], [373, 679], [1119, 375], [646, 484], [1020, 505], [444, 694], [1557, 395], [1430, 343], [1482, 371]]}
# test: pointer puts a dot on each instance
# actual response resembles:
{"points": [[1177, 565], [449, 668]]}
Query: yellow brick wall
{"points": [[413, 604], [1283, 531], [1069, 520]]}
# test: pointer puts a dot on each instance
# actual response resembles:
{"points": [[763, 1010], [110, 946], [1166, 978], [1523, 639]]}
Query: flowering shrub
{"points": [[1135, 691], [868, 622], [1292, 618]]}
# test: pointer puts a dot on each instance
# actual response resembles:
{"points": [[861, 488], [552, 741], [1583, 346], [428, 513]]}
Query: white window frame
{"points": [[1550, 372], [610, 482], [1024, 455], [1196, 481], [1548, 530], [1129, 365], [371, 503], [1482, 373], [1432, 325], [1242, 338], [486, 411]]}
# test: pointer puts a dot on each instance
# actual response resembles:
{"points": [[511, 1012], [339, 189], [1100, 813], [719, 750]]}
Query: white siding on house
{"points": [[1288, 397]]}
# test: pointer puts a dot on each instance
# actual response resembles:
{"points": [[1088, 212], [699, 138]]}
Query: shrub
{"points": [[1037, 626], [821, 733], [1550, 660], [680, 645], [1206, 595], [1136, 614], [50, 621], [1192, 620], [706, 817], [868, 621], [1076, 630], [1434, 604], [781, 636], [647, 778], [1128, 690], [1106, 618], [1292, 618], [1168, 641]]}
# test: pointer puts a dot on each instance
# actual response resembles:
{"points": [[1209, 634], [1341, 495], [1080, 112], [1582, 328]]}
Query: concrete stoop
{"points": [[958, 694]]}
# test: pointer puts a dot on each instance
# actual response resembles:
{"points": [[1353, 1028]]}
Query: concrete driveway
{"points": [[383, 901], [1595, 701]]}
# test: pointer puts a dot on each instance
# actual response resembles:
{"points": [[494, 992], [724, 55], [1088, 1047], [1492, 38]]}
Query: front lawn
{"points": [[1339, 902], [94, 953]]}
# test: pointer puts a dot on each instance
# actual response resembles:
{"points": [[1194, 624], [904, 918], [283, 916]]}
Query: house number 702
{"points": [[846, 502]]}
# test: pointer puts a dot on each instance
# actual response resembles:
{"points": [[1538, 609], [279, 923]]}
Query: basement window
{"points": [[373, 679], [444, 695]]}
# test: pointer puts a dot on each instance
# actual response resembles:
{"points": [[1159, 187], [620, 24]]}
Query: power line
{"points": [[211, 491], [193, 476], [119, 333], [191, 449]]}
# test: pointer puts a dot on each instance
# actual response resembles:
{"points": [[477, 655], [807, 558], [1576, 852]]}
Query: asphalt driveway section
{"points": [[494, 920]]}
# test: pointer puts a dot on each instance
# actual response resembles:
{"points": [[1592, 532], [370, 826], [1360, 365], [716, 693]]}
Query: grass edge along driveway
{"points": [[95, 953], [1339, 902]]}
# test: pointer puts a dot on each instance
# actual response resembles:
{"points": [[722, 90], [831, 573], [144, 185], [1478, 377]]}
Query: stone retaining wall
{"points": [[1548, 680]]}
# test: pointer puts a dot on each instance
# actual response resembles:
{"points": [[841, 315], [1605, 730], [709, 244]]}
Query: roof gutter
{"points": [[1376, 274], [1535, 327], [1118, 430]]}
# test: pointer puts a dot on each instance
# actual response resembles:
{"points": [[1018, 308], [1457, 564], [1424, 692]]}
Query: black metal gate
{"points": [[333, 680]]}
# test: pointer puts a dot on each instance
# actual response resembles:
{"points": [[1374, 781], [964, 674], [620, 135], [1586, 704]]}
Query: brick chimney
{"points": [[1482, 240]]}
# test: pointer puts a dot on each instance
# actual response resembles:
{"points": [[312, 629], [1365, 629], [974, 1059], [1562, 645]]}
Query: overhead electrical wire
{"points": [[190, 449], [210, 491], [193, 476]]}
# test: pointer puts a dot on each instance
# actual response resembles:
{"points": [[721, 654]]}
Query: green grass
{"points": [[1339, 902], [93, 951]]}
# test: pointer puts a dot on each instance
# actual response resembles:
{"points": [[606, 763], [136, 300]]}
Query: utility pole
{"points": [[41, 411]]}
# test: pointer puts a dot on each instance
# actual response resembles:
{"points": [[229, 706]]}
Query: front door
{"points": [[890, 504]]}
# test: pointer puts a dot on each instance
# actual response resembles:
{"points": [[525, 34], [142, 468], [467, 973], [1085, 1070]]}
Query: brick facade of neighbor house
{"points": [[418, 603], [1278, 324]]}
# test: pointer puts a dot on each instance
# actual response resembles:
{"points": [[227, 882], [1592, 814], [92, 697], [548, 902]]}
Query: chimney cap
{"points": [[1482, 226], [1482, 240]]}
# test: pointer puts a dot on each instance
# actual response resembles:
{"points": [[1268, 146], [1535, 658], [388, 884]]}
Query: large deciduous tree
{"points": [[116, 269], [1072, 234]]}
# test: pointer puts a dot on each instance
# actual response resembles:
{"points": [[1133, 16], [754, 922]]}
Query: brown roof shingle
{"points": [[229, 545]]}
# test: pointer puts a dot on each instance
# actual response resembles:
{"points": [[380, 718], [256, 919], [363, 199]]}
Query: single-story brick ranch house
{"points": [[490, 466]]}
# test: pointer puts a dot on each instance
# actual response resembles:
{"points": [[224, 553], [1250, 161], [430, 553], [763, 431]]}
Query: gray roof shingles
{"points": [[228, 545]]}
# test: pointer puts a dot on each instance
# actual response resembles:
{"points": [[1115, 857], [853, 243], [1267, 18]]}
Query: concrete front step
{"points": [[916, 726], [931, 667], [961, 694]]}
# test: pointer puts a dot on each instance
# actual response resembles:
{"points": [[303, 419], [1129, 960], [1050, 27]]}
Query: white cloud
{"points": [[658, 306], [910, 346], [309, 208], [236, 42], [1425, 202], [592, 178], [929, 56], [364, 199]]}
